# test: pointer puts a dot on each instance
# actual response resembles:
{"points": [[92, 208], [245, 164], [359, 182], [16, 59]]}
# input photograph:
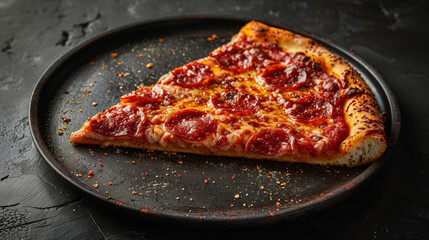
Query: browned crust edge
{"points": [[366, 142]]}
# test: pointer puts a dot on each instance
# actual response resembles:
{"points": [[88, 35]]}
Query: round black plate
{"points": [[183, 187]]}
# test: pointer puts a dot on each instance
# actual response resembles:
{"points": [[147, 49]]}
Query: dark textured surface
{"points": [[35, 203], [163, 184]]}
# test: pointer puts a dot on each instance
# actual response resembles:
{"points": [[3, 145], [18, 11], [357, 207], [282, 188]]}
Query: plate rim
{"points": [[262, 217]]}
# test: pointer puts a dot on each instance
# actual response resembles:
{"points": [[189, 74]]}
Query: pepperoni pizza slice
{"points": [[267, 94]]}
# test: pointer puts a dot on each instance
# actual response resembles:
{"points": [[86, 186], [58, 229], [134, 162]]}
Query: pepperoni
{"points": [[260, 58], [269, 142], [309, 108], [144, 95], [221, 142], [275, 52], [233, 57], [290, 76], [240, 56], [336, 133], [193, 74], [120, 120], [236, 101], [330, 86], [191, 124]]}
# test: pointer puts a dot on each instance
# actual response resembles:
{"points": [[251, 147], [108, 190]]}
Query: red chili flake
{"points": [[271, 214], [109, 182], [91, 172], [233, 177], [169, 49], [161, 40], [66, 119], [91, 84], [146, 174], [158, 55], [206, 181], [105, 154], [99, 159], [111, 82], [277, 203], [140, 55], [89, 176], [180, 162], [179, 176], [140, 160], [60, 132], [190, 199], [87, 91], [95, 185], [214, 36], [133, 162], [101, 165], [66, 91], [120, 74], [149, 65], [113, 54], [134, 193]]}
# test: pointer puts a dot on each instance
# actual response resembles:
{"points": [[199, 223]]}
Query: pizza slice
{"points": [[267, 94]]}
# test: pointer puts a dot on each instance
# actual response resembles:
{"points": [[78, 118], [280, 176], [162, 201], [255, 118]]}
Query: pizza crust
{"points": [[359, 152], [365, 143]]}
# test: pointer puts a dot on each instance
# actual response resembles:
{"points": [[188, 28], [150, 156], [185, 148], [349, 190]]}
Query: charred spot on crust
{"points": [[261, 30]]}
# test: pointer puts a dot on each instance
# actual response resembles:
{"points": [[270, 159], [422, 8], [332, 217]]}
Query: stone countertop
{"points": [[391, 36]]}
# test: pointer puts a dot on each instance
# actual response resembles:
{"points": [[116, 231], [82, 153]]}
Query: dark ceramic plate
{"points": [[184, 188]]}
